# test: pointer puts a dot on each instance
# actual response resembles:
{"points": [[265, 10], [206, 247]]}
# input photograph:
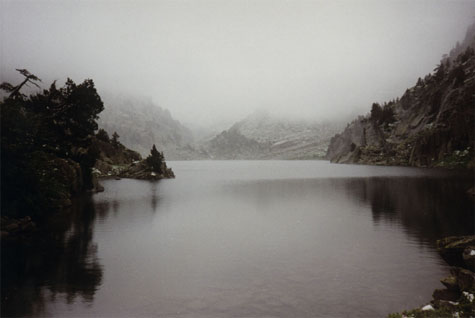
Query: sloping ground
{"points": [[140, 124], [261, 136], [432, 124]]}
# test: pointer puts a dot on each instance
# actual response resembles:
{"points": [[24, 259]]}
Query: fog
{"points": [[217, 61]]}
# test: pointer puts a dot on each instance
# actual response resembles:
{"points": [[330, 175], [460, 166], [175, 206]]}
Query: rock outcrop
{"points": [[113, 157], [457, 299], [116, 160], [458, 250], [143, 171], [430, 125]]}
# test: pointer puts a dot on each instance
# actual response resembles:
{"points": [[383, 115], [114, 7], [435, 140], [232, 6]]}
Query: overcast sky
{"points": [[210, 61]]}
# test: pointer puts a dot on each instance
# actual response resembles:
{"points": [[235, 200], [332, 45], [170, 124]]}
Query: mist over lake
{"points": [[213, 159]]}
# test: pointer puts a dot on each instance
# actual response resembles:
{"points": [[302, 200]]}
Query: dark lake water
{"points": [[244, 239]]}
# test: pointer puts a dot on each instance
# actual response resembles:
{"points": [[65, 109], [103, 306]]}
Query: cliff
{"points": [[432, 124]]}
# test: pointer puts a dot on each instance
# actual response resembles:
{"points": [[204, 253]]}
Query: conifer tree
{"points": [[155, 160], [115, 139]]}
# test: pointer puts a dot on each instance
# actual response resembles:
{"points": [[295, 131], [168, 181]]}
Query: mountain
{"points": [[140, 124], [432, 124], [262, 136]]}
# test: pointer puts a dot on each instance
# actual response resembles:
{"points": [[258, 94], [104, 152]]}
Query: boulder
{"points": [[450, 282], [469, 257], [452, 249], [465, 278], [446, 294]]}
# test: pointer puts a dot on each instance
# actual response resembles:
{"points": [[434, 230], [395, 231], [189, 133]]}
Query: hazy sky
{"points": [[209, 61]]}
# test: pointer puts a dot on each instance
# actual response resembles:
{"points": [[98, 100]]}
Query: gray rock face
{"points": [[346, 146], [433, 122]]}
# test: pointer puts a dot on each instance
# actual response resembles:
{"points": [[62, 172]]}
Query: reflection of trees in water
{"points": [[428, 208], [62, 261], [154, 196]]}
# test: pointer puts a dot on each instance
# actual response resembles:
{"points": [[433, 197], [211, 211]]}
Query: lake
{"points": [[244, 239]]}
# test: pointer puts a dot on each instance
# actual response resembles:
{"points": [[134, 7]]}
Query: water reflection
{"points": [[154, 196], [62, 262], [253, 242], [427, 208]]}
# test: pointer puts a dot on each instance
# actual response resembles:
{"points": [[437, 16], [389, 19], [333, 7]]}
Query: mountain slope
{"points": [[140, 124], [261, 136], [432, 124]]}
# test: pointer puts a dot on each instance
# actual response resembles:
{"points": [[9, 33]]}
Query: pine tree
{"points": [[155, 160], [115, 139], [103, 135]]}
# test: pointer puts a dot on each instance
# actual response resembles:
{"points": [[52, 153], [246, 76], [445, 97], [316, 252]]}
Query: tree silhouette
{"points": [[15, 90], [155, 160], [43, 139], [103, 135], [115, 139], [376, 112]]}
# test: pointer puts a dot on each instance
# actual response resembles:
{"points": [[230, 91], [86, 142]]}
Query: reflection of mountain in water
{"points": [[428, 208], [61, 262]]}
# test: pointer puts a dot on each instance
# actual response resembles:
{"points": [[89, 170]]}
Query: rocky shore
{"points": [[457, 299], [117, 161], [138, 169]]}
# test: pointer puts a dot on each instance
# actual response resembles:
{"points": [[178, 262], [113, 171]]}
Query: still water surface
{"points": [[245, 239]]}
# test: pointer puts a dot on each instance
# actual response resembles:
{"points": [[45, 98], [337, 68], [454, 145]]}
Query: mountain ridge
{"points": [[141, 123], [431, 125], [264, 136]]}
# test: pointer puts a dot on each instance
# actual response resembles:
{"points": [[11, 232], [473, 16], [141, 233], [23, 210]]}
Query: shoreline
{"points": [[458, 297]]}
